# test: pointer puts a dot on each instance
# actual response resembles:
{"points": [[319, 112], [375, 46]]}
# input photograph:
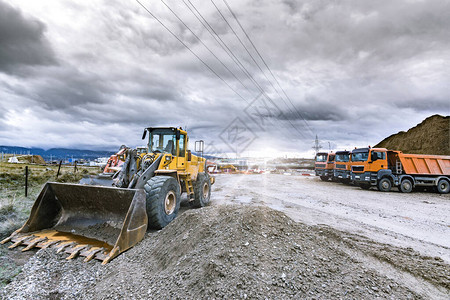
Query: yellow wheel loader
{"points": [[104, 216]]}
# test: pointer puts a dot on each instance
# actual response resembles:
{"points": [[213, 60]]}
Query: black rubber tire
{"points": [[200, 199], [156, 189], [443, 186], [324, 178], [364, 186], [406, 186], [384, 185]]}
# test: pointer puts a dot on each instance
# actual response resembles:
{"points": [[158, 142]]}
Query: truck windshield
{"points": [[321, 157], [343, 157], [360, 156], [163, 141]]}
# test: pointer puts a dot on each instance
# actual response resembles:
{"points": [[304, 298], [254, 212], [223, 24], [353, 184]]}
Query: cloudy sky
{"points": [[264, 81]]}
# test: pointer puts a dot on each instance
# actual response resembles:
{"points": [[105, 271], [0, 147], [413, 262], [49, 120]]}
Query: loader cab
{"points": [[169, 140]]}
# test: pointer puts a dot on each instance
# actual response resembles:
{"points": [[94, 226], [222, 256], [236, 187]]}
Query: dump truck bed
{"points": [[419, 164]]}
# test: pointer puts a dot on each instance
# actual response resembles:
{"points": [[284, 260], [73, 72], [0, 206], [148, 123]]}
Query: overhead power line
{"points": [[200, 40], [256, 63], [224, 44], [190, 50], [263, 60], [230, 52]]}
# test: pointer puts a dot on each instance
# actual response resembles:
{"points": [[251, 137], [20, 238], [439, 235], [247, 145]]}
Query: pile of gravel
{"points": [[215, 252]]}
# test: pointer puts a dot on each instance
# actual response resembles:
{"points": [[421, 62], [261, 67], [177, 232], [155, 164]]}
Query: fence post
{"points": [[59, 168], [26, 181]]}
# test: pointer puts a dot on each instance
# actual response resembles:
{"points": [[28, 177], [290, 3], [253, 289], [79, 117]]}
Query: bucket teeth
{"points": [[21, 241], [50, 243], [76, 250], [91, 254], [33, 243], [63, 246], [7, 239], [114, 252]]}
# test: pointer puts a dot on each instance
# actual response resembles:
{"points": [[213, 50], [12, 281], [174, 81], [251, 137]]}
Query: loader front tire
{"points": [[163, 200], [202, 190]]}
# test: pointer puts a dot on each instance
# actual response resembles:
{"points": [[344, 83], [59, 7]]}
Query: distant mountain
{"points": [[62, 153], [57, 153], [432, 136]]}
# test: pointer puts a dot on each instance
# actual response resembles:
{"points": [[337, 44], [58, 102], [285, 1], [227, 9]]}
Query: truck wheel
{"points": [[324, 178], [406, 186], [443, 186], [163, 200], [202, 190], [364, 186], [384, 185]]}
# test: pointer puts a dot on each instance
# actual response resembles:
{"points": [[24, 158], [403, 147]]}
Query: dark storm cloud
{"points": [[341, 63], [22, 40], [364, 32], [315, 109]]}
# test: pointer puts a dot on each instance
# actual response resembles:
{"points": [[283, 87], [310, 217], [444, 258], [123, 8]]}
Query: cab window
{"points": [[379, 155], [182, 143], [321, 157]]}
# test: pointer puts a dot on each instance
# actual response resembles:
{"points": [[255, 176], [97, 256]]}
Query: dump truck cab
{"points": [[367, 166], [324, 165], [342, 167]]}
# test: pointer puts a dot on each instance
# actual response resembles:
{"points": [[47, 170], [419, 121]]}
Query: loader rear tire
{"points": [[163, 200], [202, 190]]}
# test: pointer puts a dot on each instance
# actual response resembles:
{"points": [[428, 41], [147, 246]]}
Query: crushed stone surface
{"points": [[236, 252]]}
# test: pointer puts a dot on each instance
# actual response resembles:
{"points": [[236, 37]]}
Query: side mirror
{"points": [[374, 156], [189, 155], [199, 146], [177, 134], [144, 134]]}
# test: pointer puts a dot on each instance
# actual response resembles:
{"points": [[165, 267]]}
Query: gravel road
{"points": [[418, 220], [269, 237]]}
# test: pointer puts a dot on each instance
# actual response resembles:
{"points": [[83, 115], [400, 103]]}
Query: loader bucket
{"points": [[91, 221]]}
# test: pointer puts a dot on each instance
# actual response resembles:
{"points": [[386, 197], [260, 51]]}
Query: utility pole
{"points": [[316, 146]]}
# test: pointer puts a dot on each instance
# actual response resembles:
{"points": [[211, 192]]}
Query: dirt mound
{"points": [[217, 252], [432, 136], [35, 159]]}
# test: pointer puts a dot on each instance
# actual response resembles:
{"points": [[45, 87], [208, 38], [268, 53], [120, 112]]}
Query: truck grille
{"points": [[357, 168], [340, 166]]}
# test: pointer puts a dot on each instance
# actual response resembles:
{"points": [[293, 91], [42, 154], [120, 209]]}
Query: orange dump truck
{"points": [[324, 165], [387, 168]]}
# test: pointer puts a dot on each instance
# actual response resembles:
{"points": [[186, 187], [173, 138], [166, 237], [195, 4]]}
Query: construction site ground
{"points": [[269, 236]]}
